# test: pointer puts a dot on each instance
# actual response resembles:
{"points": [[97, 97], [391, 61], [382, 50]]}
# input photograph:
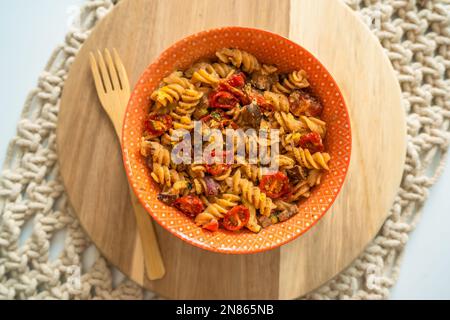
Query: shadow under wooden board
{"points": [[92, 169]]}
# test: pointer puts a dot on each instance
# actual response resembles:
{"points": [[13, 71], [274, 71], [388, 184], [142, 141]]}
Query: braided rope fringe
{"points": [[416, 37], [32, 192]]}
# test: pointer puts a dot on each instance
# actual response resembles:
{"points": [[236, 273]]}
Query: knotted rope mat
{"points": [[415, 36]]}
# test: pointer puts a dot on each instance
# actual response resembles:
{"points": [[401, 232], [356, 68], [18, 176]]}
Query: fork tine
{"points": [[96, 74], [112, 70], [104, 72], [122, 73]]}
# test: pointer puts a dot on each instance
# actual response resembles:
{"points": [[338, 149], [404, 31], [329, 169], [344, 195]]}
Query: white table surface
{"points": [[29, 30]]}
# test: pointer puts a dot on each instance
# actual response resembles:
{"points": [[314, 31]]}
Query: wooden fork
{"points": [[113, 89]]}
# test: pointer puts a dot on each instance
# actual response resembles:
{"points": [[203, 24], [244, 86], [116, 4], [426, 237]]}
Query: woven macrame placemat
{"points": [[416, 37]]}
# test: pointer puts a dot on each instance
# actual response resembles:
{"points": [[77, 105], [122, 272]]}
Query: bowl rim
{"points": [[227, 250]]}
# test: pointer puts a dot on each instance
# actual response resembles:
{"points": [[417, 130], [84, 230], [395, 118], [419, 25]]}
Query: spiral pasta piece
{"points": [[196, 170], [207, 76], [172, 86], [168, 94], [251, 194], [318, 160], [182, 122], [182, 112], [285, 162], [173, 90], [301, 189], [235, 115], [288, 122], [177, 78], [314, 177], [251, 143], [165, 176], [217, 209], [252, 223], [223, 70], [180, 187], [190, 99], [160, 154], [295, 80], [146, 147], [315, 125], [288, 141], [267, 69], [239, 59], [252, 172], [278, 101], [195, 67], [223, 176], [199, 185]]}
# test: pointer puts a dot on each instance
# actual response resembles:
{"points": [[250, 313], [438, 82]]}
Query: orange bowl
{"points": [[268, 48]]}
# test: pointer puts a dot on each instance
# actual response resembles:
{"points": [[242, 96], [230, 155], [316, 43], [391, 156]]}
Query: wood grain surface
{"points": [[92, 170]]}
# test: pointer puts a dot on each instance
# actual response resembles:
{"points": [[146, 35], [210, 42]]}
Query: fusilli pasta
{"points": [[239, 59], [217, 209], [252, 194], [318, 160], [295, 80], [279, 101], [234, 90]]}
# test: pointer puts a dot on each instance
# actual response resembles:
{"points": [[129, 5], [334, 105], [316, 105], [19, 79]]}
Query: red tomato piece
{"points": [[190, 205], [223, 100], [216, 169], [237, 80], [312, 141], [239, 94], [157, 124], [236, 218], [261, 101], [275, 185], [213, 225], [302, 102]]}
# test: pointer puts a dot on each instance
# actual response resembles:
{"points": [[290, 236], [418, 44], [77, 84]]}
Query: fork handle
{"points": [[113, 89], [153, 261]]}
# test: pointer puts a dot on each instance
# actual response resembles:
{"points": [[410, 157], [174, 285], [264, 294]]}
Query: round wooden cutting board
{"points": [[93, 173]]}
